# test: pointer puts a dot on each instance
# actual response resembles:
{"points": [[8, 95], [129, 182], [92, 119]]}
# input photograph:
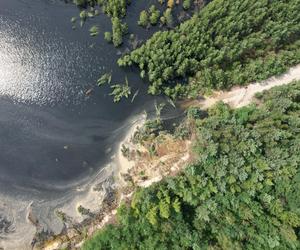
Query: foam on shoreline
{"points": [[124, 164]]}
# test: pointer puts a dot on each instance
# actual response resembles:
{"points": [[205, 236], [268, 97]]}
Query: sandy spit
{"points": [[242, 96]]}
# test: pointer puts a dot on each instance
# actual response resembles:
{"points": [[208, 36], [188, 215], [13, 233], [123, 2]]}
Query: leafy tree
{"points": [[154, 15], [108, 36], [119, 29], [186, 4], [144, 19], [168, 17]]}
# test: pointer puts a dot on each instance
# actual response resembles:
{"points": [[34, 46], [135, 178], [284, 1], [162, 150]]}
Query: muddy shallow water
{"points": [[54, 138]]}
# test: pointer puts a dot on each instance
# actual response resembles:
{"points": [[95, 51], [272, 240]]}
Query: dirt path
{"points": [[241, 96]]}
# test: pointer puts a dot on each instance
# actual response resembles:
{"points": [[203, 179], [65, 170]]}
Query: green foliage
{"points": [[167, 17], [152, 216], [241, 193], [104, 79], [83, 15], [94, 30], [144, 19], [195, 113], [154, 15], [229, 42], [108, 36], [186, 4], [118, 30], [114, 8], [150, 129], [120, 90], [84, 3]]}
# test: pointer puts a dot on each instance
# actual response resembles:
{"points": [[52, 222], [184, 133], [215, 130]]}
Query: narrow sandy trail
{"points": [[241, 96]]}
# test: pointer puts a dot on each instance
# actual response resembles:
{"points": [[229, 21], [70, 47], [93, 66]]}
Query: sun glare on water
{"points": [[34, 67]]}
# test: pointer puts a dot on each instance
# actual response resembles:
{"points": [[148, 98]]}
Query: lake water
{"points": [[55, 139]]}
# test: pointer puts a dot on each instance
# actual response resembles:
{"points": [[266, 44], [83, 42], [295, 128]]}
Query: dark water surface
{"points": [[45, 70], [53, 136]]}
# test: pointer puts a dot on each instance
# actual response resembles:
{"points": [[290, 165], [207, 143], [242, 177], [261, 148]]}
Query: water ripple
{"points": [[38, 70]]}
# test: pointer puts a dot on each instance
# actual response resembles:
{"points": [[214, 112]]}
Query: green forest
{"points": [[242, 192], [227, 43], [150, 124], [242, 189]]}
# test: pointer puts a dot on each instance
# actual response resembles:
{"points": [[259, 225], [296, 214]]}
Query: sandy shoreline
{"points": [[101, 216], [123, 163], [236, 97]]}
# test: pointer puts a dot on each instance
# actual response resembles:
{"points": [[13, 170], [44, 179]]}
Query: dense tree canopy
{"points": [[229, 42], [243, 192]]}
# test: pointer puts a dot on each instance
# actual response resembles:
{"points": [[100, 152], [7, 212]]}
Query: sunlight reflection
{"points": [[34, 68]]}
